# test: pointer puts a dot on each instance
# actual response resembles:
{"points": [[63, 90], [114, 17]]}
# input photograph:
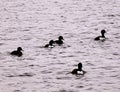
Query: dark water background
{"points": [[32, 23]]}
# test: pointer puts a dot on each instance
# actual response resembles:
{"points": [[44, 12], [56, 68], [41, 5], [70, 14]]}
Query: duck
{"points": [[17, 52], [59, 41], [51, 42], [78, 71], [102, 37]]}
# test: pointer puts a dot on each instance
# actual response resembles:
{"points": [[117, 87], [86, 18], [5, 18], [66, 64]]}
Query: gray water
{"points": [[32, 23]]}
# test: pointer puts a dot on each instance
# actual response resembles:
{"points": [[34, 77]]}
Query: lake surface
{"points": [[32, 23]]}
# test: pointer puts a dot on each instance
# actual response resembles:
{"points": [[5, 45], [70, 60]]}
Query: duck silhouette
{"points": [[51, 42], [59, 41], [79, 70], [17, 52], [102, 37]]}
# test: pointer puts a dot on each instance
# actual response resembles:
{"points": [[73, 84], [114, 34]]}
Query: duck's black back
{"points": [[16, 53], [46, 46], [97, 38], [59, 42], [74, 71]]}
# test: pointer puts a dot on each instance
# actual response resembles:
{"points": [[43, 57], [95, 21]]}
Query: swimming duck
{"points": [[51, 42], [60, 40], [79, 70], [17, 52], [102, 37]]}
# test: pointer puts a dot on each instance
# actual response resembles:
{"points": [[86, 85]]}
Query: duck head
{"points": [[80, 66], [19, 49], [103, 32], [60, 38]]}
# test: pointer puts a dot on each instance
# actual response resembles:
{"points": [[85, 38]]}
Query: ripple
{"points": [[21, 75], [32, 23], [17, 91], [64, 91]]}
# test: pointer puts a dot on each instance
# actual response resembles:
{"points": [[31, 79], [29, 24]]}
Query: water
{"points": [[32, 23]]}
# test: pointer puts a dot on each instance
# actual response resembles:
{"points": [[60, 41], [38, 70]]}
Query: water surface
{"points": [[32, 23]]}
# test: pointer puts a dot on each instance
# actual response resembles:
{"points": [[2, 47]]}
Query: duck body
{"points": [[102, 37], [75, 71], [78, 71], [48, 46], [59, 42], [17, 52], [99, 38], [51, 42]]}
